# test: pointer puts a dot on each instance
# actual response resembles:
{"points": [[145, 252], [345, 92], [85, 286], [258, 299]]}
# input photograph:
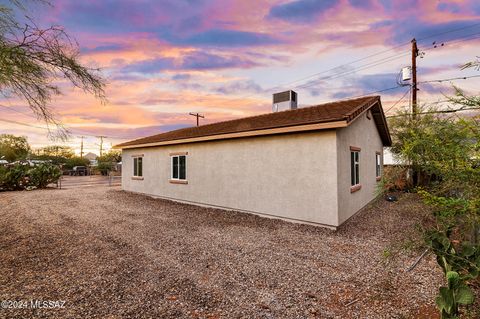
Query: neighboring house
{"points": [[92, 157], [318, 164]]}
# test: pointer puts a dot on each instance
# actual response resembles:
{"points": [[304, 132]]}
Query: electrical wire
{"points": [[348, 72], [450, 79], [403, 96], [437, 112]]}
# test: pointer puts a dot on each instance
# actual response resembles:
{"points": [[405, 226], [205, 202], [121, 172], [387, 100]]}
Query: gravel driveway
{"points": [[112, 254]]}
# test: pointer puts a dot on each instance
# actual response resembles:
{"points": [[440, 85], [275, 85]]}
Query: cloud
{"points": [[362, 4], [103, 48], [197, 60], [448, 7], [226, 38], [240, 86], [181, 77], [205, 61], [419, 29], [150, 66], [375, 82], [301, 11]]}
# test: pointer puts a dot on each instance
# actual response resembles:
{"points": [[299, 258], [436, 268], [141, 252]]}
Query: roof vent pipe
{"points": [[284, 101]]}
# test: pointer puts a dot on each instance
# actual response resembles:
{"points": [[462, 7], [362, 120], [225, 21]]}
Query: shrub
{"points": [[44, 174], [105, 167], [22, 176]]}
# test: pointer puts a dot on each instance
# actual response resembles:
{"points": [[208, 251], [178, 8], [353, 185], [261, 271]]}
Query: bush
{"points": [[105, 167], [22, 176]]}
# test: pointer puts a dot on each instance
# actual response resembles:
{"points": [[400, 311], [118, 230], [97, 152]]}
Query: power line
{"points": [[358, 60], [449, 31], [450, 79], [437, 112], [24, 124], [403, 96], [348, 72]]}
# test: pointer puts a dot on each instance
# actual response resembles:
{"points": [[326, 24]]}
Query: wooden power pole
{"points": [[197, 115], [101, 137], [81, 146], [414, 78]]}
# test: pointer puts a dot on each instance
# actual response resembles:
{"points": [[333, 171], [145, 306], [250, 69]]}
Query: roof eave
{"points": [[263, 132]]}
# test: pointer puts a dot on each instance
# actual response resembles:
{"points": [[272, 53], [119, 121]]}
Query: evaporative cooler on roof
{"points": [[284, 101]]}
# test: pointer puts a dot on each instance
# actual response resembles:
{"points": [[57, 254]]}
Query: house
{"points": [[92, 157], [318, 164]]}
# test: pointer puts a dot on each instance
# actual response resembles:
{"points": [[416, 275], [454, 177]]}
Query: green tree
{"points": [[13, 148], [444, 146], [56, 151], [34, 59], [107, 162], [112, 156]]}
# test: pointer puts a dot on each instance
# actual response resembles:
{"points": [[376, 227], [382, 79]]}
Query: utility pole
{"points": [[81, 145], [197, 115], [101, 137], [414, 77]]}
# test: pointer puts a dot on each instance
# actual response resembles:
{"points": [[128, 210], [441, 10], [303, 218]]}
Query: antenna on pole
{"points": [[197, 115]]}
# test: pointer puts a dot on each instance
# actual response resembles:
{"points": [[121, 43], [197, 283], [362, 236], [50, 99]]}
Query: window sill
{"points": [[178, 181], [379, 178], [355, 188], [138, 178]]}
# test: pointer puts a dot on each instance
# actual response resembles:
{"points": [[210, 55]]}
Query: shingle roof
{"points": [[346, 110]]}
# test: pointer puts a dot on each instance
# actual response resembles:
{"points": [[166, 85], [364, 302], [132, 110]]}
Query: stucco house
{"points": [[317, 164]]}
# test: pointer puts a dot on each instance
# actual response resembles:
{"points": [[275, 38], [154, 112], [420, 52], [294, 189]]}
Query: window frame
{"points": [[137, 161], [378, 166], [178, 179], [355, 184]]}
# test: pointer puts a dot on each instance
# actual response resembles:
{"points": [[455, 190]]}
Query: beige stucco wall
{"points": [[364, 134], [291, 176]]}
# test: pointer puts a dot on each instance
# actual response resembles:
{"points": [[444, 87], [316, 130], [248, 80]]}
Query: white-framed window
{"points": [[179, 167], [378, 165], [354, 166], [138, 166]]}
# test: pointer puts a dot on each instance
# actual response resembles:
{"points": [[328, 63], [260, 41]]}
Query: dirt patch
{"points": [[112, 254]]}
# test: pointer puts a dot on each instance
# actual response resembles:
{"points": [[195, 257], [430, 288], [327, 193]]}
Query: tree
{"points": [[113, 156], [107, 162], [13, 148], [56, 151], [34, 59], [440, 143]]}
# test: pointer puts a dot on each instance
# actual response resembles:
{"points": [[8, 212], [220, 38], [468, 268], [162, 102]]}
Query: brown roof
{"points": [[334, 112]]}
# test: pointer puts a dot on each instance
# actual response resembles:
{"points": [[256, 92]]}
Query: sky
{"points": [[163, 59]]}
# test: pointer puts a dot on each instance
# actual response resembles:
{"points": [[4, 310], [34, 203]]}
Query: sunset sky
{"points": [[164, 59]]}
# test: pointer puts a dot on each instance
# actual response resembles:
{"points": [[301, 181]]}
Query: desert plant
{"points": [[22, 176], [105, 167], [43, 174], [454, 294], [460, 265]]}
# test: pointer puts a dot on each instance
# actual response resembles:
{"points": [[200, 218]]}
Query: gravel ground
{"points": [[112, 254]]}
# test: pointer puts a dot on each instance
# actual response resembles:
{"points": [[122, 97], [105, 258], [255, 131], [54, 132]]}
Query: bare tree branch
{"points": [[34, 59]]}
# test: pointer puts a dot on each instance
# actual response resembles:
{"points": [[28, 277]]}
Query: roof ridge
{"points": [[294, 110], [319, 113]]}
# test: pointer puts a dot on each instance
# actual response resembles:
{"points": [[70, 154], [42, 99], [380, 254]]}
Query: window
{"points": [[138, 166], [179, 167], [378, 165], [354, 166]]}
